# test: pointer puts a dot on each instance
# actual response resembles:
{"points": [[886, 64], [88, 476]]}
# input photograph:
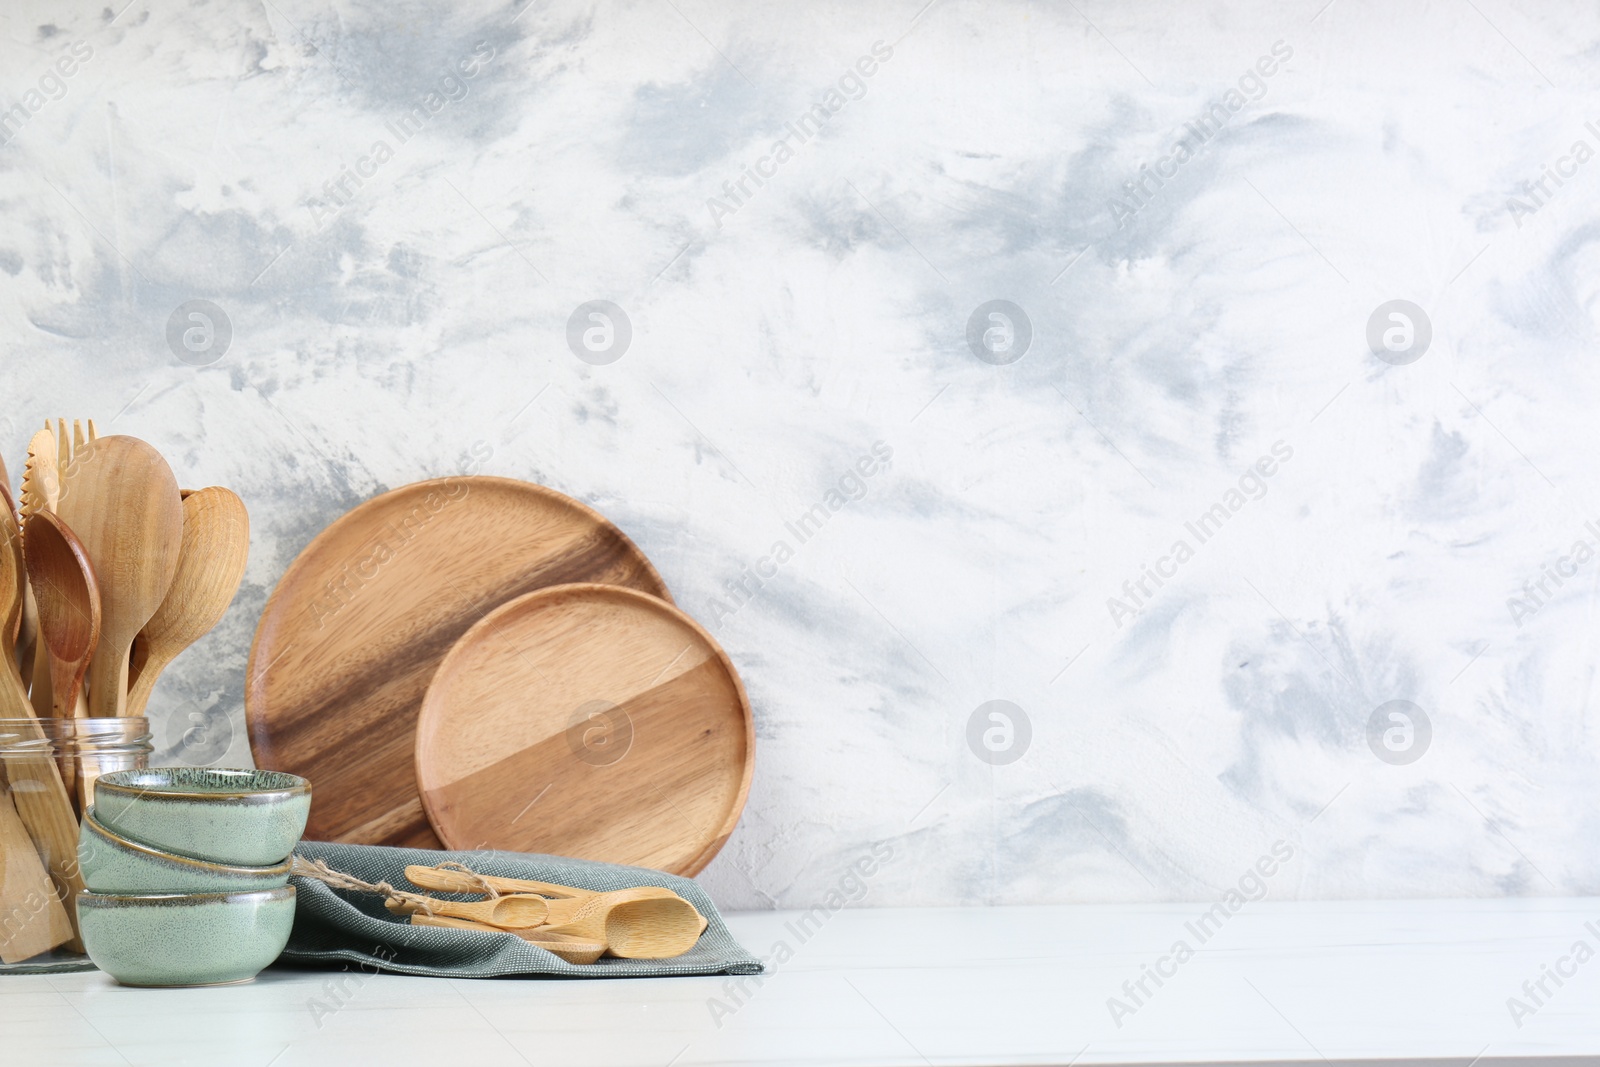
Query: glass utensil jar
{"points": [[47, 773]]}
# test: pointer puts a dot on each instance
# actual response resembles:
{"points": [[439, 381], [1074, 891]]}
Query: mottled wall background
{"points": [[1198, 216]]}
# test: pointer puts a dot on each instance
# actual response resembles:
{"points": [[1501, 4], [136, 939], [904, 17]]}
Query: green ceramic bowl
{"points": [[112, 863], [176, 939], [245, 817]]}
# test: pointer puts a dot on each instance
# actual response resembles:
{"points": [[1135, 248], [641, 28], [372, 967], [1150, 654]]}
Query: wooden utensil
{"points": [[64, 586], [211, 563], [68, 597], [122, 501], [356, 628], [642, 923], [571, 949], [32, 920], [613, 712], [37, 791], [41, 491], [520, 912]]}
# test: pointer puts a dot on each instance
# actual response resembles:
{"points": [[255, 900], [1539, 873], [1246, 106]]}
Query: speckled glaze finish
{"points": [[114, 864], [172, 939], [226, 816]]}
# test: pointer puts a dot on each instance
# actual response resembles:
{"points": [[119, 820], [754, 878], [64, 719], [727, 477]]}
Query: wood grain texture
{"points": [[356, 628], [587, 721], [211, 564], [121, 499]]}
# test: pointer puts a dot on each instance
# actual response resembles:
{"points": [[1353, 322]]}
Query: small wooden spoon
{"points": [[69, 604], [121, 499], [520, 912], [571, 949], [216, 546], [644, 923]]}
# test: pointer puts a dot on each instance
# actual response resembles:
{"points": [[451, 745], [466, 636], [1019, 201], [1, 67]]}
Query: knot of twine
{"points": [[319, 870]]}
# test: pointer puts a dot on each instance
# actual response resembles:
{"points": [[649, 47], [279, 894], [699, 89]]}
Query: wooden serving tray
{"points": [[589, 721], [354, 631]]}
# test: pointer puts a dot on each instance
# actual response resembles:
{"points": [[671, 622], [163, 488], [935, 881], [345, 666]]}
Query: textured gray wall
{"points": [[1202, 211]]}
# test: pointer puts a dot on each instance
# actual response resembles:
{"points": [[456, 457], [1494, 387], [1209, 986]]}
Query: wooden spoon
{"points": [[122, 501], [69, 604], [216, 546], [644, 923], [519, 912], [571, 949]]}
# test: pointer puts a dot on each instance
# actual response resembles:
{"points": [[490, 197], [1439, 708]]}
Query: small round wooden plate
{"points": [[363, 617], [588, 721]]}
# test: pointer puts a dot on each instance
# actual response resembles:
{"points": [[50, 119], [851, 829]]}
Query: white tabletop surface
{"points": [[1304, 982]]}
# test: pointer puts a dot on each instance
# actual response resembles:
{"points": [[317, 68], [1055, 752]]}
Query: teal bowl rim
{"points": [[133, 900], [98, 828], [294, 787]]}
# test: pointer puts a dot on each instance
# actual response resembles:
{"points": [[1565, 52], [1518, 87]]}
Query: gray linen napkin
{"points": [[333, 926]]}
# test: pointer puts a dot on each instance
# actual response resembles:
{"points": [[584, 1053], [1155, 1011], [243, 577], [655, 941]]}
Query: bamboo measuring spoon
{"points": [[571, 949], [121, 499], [216, 546], [520, 912], [644, 923]]}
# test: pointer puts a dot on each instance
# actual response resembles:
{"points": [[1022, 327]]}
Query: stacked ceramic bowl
{"points": [[187, 870]]}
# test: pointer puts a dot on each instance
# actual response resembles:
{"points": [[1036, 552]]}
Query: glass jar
{"points": [[47, 773]]}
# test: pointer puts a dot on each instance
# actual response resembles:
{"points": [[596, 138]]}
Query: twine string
{"points": [[319, 870]]}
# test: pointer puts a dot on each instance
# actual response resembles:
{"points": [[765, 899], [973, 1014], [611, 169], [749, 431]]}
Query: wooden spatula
{"points": [[121, 499], [216, 547]]}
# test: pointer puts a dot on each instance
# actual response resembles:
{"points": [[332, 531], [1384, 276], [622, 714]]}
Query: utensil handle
{"points": [[108, 682], [462, 882]]}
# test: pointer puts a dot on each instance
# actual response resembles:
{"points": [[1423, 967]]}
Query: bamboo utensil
{"points": [[41, 491], [519, 912], [121, 499], [643, 923], [32, 920], [216, 546], [571, 949], [37, 791]]}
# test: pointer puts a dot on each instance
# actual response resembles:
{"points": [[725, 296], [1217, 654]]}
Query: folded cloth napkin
{"points": [[335, 925]]}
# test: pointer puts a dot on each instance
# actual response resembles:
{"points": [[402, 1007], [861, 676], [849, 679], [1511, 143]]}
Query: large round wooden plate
{"points": [[355, 629], [587, 721]]}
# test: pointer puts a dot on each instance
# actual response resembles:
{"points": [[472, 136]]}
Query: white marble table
{"points": [[1308, 982]]}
